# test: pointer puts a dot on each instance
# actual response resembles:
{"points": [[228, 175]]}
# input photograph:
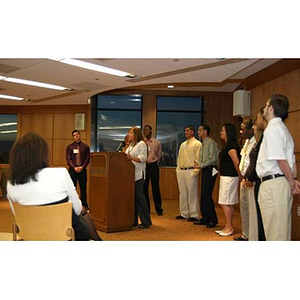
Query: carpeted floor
{"points": [[164, 228]]}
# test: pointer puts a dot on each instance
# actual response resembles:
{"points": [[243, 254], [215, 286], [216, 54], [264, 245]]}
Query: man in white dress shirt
{"points": [[247, 135], [277, 170]]}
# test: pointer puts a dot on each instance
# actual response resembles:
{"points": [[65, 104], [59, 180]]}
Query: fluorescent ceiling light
{"points": [[8, 124], [11, 97], [94, 67], [2, 77], [8, 131], [35, 83]]}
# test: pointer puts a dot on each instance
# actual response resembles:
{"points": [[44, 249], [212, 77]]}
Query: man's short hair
{"points": [[148, 127], [248, 124], [191, 127], [280, 105], [207, 128], [75, 130]]}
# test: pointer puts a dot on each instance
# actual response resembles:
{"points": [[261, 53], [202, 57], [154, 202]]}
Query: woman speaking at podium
{"points": [[137, 153]]}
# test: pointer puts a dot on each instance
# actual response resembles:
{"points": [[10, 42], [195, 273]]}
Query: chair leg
{"points": [[15, 231], [71, 234]]}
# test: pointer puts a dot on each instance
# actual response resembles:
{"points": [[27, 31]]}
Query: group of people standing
{"points": [[264, 170]]}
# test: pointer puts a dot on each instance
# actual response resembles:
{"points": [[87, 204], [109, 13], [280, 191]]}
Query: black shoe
{"points": [[134, 225], [199, 222], [211, 225], [142, 226], [179, 217], [160, 213], [191, 219], [240, 238]]}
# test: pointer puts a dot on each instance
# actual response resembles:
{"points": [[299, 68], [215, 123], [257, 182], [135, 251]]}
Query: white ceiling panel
{"points": [[85, 83], [139, 67]]}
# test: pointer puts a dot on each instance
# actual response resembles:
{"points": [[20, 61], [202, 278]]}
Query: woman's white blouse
{"points": [[53, 184], [140, 151]]}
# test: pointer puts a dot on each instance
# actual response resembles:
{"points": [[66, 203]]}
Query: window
{"points": [[112, 116], [173, 115], [8, 135]]}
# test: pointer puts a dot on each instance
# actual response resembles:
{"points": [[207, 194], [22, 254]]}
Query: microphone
{"points": [[121, 145]]}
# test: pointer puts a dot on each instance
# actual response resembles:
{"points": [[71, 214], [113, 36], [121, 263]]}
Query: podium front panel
{"points": [[111, 191]]}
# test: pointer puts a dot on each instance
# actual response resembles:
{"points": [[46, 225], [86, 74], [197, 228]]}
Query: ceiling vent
{"points": [[90, 86]]}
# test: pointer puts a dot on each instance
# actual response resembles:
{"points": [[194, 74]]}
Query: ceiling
{"points": [[187, 74]]}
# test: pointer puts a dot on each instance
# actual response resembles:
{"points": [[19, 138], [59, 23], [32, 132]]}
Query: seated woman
{"points": [[32, 182], [137, 153]]}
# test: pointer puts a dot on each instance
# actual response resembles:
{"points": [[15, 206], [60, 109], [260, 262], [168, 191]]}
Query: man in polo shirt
{"points": [[277, 170], [187, 176]]}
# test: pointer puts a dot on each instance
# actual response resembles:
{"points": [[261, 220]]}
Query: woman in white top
{"points": [[32, 182], [137, 153]]}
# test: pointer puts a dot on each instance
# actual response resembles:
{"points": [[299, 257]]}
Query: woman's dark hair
{"points": [[28, 155], [231, 134]]}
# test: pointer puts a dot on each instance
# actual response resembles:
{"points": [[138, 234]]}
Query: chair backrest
{"points": [[43, 223]]}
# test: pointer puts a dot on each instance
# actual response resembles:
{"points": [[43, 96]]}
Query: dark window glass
{"points": [[8, 135], [128, 102], [179, 104], [173, 115], [112, 116]]}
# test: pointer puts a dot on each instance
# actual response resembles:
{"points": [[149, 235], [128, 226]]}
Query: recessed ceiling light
{"points": [[170, 86]]}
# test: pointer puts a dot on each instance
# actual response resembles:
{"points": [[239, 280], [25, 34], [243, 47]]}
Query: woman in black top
{"points": [[230, 175]]}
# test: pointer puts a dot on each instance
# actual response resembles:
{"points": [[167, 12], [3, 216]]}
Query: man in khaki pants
{"points": [[277, 170], [187, 176]]}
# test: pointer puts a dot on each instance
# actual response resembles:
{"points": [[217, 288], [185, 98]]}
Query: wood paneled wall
{"points": [[54, 123], [288, 85]]}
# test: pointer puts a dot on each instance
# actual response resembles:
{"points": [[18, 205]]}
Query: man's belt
{"points": [[188, 168], [268, 177]]}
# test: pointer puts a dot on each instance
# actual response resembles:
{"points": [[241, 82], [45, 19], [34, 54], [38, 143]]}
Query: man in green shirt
{"points": [[208, 160]]}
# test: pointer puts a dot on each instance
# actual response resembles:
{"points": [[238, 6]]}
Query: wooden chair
{"points": [[43, 223]]}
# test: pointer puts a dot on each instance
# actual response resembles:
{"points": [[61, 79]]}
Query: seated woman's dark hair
{"points": [[28, 155]]}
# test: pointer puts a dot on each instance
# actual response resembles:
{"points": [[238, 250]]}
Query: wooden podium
{"points": [[112, 191]]}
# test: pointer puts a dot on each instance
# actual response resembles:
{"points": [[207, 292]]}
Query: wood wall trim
{"points": [[276, 70], [172, 93]]}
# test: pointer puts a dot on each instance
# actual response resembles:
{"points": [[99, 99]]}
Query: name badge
{"points": [[75, 151]]}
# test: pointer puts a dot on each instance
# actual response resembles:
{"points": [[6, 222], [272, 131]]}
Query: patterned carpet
{"points": [[164, 228]]}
